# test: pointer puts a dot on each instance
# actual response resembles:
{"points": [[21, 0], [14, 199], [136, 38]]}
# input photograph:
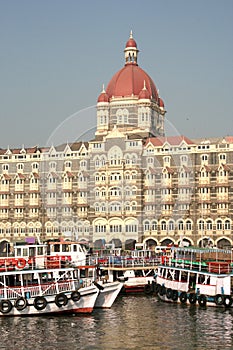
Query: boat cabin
{"points": [[33, 254], [73, 252]]}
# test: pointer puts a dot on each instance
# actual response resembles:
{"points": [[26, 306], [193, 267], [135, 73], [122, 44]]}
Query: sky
{"points": [[56, 55]]}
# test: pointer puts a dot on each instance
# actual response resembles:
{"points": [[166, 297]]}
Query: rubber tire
{"points": [[75, 296], [18, 305], [61, 300], [8, 304], [202, 300], [219, 299], [192, 298], [183, 297], [40, 303], [169, 293]]}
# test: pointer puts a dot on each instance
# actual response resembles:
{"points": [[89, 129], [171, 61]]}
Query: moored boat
{"points": [[196, 276], [108, 292], [45, 291], [135, 273], [67, 253]]}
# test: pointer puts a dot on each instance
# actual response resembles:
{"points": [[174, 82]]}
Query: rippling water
{"points": [[134, 322]]}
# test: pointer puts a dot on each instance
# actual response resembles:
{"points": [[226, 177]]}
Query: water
{"points": [[134, 322]]}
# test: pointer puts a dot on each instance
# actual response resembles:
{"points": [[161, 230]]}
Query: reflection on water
{"points": [[138, 322]]}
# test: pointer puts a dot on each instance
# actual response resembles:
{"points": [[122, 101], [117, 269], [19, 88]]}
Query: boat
{"points": [[58, 254], [108, 292], [136, 273], [196, 276], [53, 254], [45, 291]]}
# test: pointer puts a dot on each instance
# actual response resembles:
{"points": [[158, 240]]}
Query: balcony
{"points": [[204, 182], [166, 183]]}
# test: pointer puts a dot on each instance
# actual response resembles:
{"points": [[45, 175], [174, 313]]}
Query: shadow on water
{"points": [[134, 322]]}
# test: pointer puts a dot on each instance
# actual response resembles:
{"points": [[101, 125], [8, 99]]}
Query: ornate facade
{"points": [[129, 184]]}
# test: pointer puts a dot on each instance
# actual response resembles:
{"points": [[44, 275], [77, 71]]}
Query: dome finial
{"points": [[103, 90], [131, 51]]}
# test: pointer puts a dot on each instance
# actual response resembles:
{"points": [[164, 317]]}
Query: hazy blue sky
{"points": [[56, 55]]}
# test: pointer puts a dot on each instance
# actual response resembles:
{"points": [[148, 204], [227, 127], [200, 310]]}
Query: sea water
{"points": [[133, 322]]}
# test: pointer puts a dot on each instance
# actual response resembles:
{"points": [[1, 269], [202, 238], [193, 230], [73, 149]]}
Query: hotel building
{"points": [[131, 183]]}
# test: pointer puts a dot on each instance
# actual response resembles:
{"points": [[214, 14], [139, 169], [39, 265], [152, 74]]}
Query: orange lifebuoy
{"points": [[21, 263]]}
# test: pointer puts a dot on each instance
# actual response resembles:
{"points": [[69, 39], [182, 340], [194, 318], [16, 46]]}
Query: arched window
{"points": [[171, 225], [209, 225], [219, 224], [122, 116], [146, 225], [180, 225], [154, 225], [201, 225], [163, 225], [227, 225], [188, 225], [134, 206]]}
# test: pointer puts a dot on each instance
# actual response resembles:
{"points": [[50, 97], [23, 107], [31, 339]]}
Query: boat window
{"points": [[169, 276], [32, 251], [75, 247], [138, 273], [82, 273], [40, 251], [25, 251], [201, 279], [18, 252], [57, 248], [177, 275], [10, 281], [65, 248], [184, 277]]}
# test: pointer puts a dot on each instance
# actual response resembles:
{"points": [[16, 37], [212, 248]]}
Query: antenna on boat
{"points": [[38, 238]]}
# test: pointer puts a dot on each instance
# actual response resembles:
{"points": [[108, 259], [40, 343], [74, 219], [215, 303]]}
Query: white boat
{"points": [[67, 251], [196, 276], [45, 291], [73, 254], [136, 274], [108, 292], [52, 255]]}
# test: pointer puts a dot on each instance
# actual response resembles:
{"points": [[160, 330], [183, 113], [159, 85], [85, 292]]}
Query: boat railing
{"points": [[40, 289], [124, 262], [200, 265], [10, 293]]}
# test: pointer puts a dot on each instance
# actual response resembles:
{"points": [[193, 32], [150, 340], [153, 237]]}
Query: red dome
{"points": [[103, 97], [144, 94], [131, 43], [130, 81], [161, 103]]}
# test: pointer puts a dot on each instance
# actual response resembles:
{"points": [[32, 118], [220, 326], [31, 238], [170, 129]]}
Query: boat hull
{"points": [[108, 294], [47, 304], [197, 300]]}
